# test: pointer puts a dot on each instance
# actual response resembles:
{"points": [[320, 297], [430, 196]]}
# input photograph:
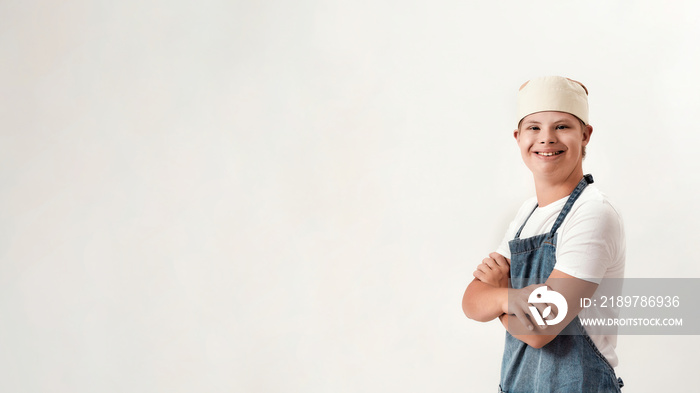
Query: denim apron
{"points": [[570, 362]]}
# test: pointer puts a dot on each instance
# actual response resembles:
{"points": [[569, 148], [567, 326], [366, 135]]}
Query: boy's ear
{"points": [[587, 131], [515, 134]]}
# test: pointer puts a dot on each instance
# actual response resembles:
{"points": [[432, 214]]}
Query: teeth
{"points": [[548, 154]]}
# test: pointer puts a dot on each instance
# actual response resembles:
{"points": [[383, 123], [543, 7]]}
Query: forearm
{"points": [[483, 302], [523, 326], [513, 325]]}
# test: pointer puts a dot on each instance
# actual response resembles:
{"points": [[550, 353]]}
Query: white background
{"points": [[271, 196]]}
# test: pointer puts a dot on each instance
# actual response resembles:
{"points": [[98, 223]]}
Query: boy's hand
{"points": [[494, 270], [519, 305]]}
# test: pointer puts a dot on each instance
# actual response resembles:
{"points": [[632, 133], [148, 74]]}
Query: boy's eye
{"points": [[561, 127], [534, 128]]}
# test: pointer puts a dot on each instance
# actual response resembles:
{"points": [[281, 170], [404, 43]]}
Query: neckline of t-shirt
{"points": [[558, 204]]}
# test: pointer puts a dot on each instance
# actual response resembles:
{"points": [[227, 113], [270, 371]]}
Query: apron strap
{"points": [[517, 235], [587, 179]]}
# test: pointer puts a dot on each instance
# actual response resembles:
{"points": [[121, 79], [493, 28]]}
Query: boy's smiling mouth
{"points": [[549, 153]]}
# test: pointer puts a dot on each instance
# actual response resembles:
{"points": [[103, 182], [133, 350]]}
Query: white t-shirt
{"points": [[590, 246]]}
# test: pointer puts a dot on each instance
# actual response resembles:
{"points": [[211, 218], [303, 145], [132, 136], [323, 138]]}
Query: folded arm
{"points": [[519, 319], [486, 297]]}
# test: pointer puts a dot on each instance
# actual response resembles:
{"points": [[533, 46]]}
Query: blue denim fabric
{"points": [[569, 363]]}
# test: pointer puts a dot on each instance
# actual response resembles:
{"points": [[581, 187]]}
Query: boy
{"points": [[568, 237]]}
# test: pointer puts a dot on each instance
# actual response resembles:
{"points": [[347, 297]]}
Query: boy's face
{"points": [[551, 144]]}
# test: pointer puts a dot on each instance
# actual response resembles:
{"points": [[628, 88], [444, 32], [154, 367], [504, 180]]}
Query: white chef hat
{"points": [[553, 93]]}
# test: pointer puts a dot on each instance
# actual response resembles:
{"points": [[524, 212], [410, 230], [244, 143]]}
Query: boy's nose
{"points": [[547, 136]]}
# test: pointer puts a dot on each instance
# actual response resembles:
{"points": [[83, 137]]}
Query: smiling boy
{"points": [[568, 237]]}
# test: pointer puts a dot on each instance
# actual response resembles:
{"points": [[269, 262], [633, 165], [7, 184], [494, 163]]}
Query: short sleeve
{"points": [[590, 241], [503, 248]]}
